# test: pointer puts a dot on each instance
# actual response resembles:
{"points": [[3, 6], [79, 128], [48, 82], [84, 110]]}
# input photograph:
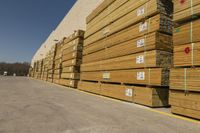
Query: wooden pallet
{"points": [[73, 55], [134, 76], [71, 69], [187, 104], [185, 79], [153, 58], [187, 33], [187, 55]]}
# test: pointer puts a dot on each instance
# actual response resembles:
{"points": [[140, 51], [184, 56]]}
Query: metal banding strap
{"points": [[191, 24], [185, 80], [192, 56], [191, 7]]}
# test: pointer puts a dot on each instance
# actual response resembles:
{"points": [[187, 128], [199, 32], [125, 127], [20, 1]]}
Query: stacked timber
{"points": [[45, 69], [71, 59], [127, 43], [184, 77], [57, 63], [50, 62]]}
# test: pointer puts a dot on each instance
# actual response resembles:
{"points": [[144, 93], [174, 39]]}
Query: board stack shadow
{"points": [[127, 51], [184, 77], [71, 59]]}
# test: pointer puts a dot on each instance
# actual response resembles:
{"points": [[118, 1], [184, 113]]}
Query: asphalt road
{"points": [[33, 106]]}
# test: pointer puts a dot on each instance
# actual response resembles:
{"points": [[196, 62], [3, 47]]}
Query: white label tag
{"points": [[106, 75], [140, 59], [140, 43], [140, 75], [143, 27], [129, 92], [140, 11]]}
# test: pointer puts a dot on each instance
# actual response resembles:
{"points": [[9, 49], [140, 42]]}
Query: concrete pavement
{"points": [[33, 106]]}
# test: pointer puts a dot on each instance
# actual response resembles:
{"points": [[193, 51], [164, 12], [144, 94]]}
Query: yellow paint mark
{"points": [[175, 116], [116, 100]]}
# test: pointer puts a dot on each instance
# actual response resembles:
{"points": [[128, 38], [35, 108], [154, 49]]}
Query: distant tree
{"points": [[20, 69]]}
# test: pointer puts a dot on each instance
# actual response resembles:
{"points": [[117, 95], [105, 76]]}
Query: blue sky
{"points": [[25, 25]]}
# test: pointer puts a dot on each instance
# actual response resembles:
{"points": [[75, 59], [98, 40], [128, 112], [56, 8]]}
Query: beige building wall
{"points": [[75, 19]]}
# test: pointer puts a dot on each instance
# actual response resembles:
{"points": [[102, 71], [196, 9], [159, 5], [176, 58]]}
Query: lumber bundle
{"points": [[51, 64], [127, 43], [184, 77], [71, 59], [185, 10]]}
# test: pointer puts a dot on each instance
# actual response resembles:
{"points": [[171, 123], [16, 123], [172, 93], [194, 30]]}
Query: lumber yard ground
{"points": [[33, 106]]}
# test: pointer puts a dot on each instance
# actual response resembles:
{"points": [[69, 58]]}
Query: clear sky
{"points": [[25, 25]]}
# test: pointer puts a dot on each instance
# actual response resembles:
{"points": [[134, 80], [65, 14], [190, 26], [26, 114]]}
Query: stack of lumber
{"points": [[57, 63], [127, 43], [184, 77], [50, 60], [71, 59], [30, 72], [38, 69], [45, 69]]}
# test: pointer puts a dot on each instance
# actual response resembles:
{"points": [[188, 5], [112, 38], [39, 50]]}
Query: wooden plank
{"points": [[180, 5], [118, 91], [135, 76], [75, 35], [187, 33], [76, 47], [89, 87], [73, 62], [69, 83], [70, 76], [187, 55], [187, 14], [77, 41], [154, 41], [159, 22], [73, 55], [98, 10], [129, 12], [186, 112], [152, 97], [115, 11], [153, 58], [75, 69], [185, 79], [190, 100]]}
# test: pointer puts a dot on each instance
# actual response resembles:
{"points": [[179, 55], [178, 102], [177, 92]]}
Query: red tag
{"points": [[187, 50], [182, 1]]}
